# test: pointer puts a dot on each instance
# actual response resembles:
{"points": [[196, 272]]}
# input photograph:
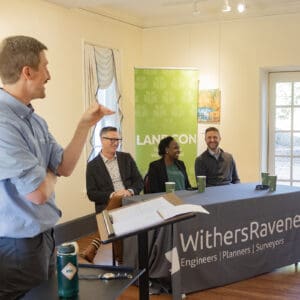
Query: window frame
{"points": [[274, 78]]}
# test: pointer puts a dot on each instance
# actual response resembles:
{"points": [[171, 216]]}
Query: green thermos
{"points": [[67, 271]]}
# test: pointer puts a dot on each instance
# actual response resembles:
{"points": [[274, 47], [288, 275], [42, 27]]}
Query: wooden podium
{"points": [[106, 230]]}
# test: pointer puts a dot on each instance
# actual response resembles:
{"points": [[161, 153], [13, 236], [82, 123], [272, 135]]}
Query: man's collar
{"points": [[19, 108], [217, 155], [105, 159], [218, 152]]}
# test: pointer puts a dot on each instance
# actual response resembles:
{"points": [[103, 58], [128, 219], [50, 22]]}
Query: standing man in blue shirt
{"points": [[30, 161]]}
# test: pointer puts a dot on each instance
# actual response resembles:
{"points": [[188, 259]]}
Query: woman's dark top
{"points": [[157, 175]]}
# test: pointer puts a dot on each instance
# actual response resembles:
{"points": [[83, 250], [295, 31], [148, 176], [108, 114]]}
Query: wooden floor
{"points": [[281, 284]]}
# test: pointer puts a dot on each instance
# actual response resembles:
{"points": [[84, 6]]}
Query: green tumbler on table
{"points": [[264, 178], [272, 180], [201, 183], [170, 186]]}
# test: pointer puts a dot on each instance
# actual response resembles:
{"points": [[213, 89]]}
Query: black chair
{"points": [[146, 184]]}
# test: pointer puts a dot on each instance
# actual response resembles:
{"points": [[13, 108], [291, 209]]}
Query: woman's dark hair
{"points": [[163, 144]]}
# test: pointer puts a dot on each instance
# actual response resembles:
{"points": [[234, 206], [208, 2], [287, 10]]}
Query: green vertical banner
{"points": [[166, 104]]}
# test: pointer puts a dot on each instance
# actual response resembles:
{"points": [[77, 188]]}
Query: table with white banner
{"points": [[248, 232]]}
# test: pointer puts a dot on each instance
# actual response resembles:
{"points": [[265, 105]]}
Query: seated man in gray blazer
{"points": [[110, 176]]}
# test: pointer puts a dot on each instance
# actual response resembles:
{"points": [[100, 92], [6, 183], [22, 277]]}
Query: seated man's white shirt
{"points": [[114, 172]]}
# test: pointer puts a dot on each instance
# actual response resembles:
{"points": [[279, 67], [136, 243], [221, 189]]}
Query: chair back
{"points": [[146, 184]]}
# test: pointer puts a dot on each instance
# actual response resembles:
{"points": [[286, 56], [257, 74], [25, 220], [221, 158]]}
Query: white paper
{"points": [[167, 213], [138, 216], [145, 214]]}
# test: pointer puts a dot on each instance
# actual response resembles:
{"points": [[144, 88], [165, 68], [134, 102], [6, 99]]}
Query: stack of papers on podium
{"points": [[145, 214]]}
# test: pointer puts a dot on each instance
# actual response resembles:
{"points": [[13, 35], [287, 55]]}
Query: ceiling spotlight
{"points": [[241, 7], [226, 6]]}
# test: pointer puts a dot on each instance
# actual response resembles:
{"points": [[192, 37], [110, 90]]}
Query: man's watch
{"points": [[119, 275], [106, 276]]}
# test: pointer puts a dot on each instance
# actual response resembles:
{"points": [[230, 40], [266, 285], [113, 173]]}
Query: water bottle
{"points": [[67, 275]]}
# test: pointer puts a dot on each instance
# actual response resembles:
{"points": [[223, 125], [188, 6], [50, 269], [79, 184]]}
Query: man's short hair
{"points": [[17, 52], [212, 129], [107, 129]]}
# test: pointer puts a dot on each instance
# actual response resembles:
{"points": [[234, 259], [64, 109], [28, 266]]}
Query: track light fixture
{"points": [[226, 6], [196, 10], [241, 6]]}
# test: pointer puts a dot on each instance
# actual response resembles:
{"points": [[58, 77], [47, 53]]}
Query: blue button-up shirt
{"points": [[27, 150]]}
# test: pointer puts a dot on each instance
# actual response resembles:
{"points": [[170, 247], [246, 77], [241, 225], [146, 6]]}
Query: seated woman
{"points": [[168, 168]]}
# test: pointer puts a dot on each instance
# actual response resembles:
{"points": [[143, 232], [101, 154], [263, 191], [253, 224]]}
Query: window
{"points": [[102, 85], [284, 127], [109, 98]]}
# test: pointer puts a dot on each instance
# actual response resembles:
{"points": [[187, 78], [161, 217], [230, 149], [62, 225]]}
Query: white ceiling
{"points": [[154, 13]]}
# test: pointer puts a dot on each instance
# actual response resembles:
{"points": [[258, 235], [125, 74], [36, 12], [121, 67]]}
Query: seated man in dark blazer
{"points": [[110, 176], [218, 166]]}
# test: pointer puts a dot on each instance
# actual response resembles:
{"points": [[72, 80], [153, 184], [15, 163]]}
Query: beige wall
{"points": [[64, 32], [232, 54]]}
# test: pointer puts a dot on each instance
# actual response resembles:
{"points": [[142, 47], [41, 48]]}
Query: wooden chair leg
{"points": [[113, 255], [114, 202], [117, 247]]}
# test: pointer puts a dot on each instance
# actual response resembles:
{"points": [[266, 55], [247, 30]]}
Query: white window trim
{"points": [[274, 77]]}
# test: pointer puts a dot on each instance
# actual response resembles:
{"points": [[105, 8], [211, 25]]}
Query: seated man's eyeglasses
{"points": [[112, 140]]}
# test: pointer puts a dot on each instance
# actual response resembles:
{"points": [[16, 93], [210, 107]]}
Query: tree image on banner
{"points": [[166, 104]]}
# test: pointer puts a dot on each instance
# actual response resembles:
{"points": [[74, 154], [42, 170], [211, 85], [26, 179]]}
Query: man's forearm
{"points": [[43, 192]]}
